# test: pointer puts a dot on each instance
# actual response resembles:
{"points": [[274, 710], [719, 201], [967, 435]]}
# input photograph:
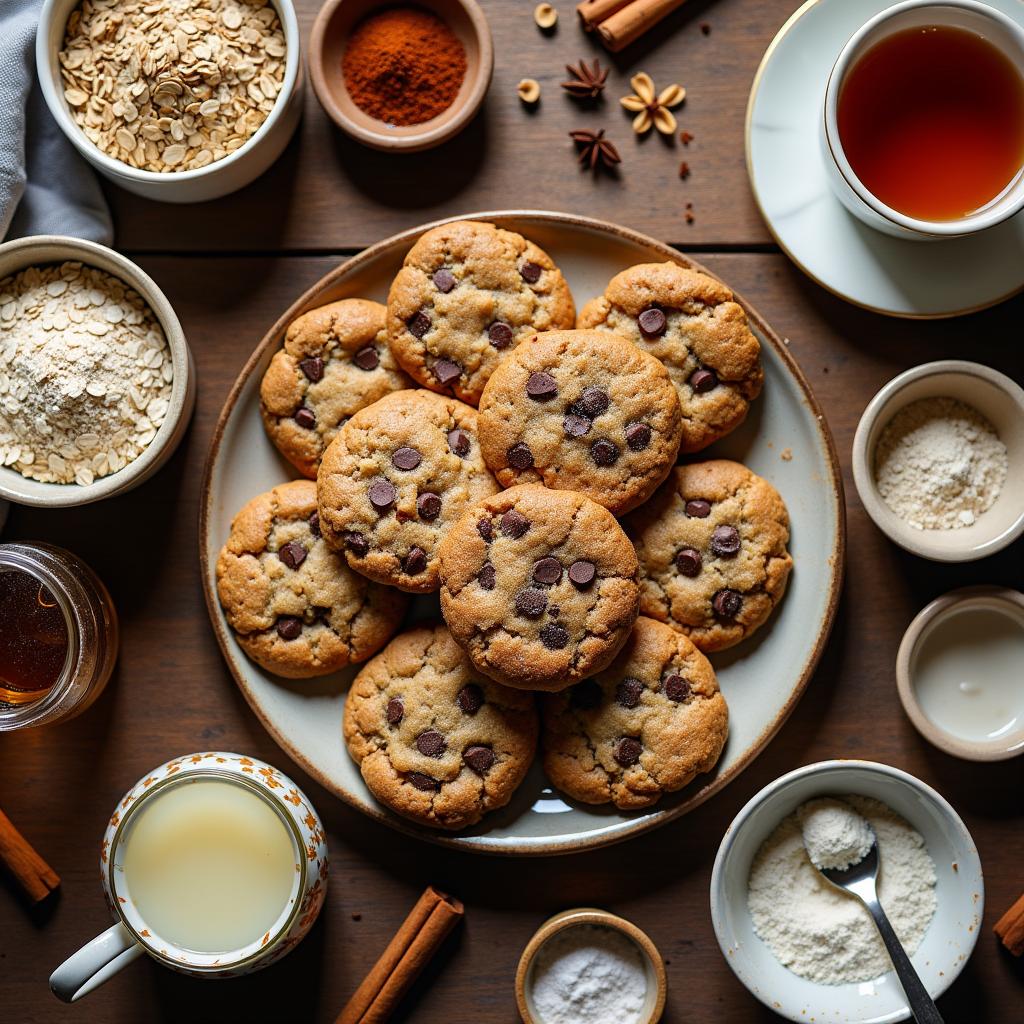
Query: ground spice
{"points": [[403, 66]]}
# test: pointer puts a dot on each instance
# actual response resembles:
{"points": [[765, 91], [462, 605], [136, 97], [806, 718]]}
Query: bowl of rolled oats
{"points": [[97, 383], [176, 100]]}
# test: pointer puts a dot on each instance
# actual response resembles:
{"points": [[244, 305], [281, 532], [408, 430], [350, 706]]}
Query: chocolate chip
{"points": [[458, 442], [627, 751], [444, 280], [698, 508], [519, 456], [305, 418], [575, 426], [479, 759], [292, 554], [314, 524], [514, 524], [591, 403], [313, 368], [689, 562], [547, 570], [395, 711], [487, 576], [582, 573], [485, 528], [367, 358], [530, 272], [382, 494], [356, 543], [424, 782], [652, 322], [414, 562], [289, 627], [531, 602], [727, 603], [499, 334], [638, 436], [406, 458], [470, 699], [431, 743], [428, 505], [677, 688], [603, 452], [418, 324], [554, 611], [446, 371], [554, 637], [725, 541], [586, 695], [702, 381], [541, 386], [628, 693]]}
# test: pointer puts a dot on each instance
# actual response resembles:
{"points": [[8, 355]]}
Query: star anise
{"points": [[587, 82], [595, 150]]}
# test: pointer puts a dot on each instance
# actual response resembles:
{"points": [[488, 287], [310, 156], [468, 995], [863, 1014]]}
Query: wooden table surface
{"points": [[229, 269]]}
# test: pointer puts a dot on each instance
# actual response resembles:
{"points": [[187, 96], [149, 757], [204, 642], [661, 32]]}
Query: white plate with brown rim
{"points": [[762, 678]]}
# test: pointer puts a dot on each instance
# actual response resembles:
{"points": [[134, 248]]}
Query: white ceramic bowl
{"points": [[947, 944], [41, 249], [1001, 402], [231, 173]]}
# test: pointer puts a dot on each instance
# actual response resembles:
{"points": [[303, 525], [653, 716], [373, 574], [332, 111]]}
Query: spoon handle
{"points": [[921, 1005]]}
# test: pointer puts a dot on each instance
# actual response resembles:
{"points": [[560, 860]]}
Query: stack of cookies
{"points": [[474, 437]]}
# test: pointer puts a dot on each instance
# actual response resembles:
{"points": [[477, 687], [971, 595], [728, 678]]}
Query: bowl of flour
{"points": [[808, 951]]}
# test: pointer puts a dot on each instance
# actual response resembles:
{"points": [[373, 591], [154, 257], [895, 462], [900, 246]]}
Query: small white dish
{"points": [[899, 277], [947, 943], [1001, 402]]}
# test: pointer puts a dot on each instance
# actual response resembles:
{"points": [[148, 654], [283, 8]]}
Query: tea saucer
{"points": [[917, 279]]}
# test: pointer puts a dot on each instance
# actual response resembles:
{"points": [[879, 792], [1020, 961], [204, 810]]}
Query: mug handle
{"points": [[96, 962]]}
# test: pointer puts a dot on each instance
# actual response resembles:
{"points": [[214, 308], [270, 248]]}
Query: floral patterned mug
{"points": [[131, 935]]}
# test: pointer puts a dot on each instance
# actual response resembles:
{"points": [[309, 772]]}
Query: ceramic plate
{"points": [[762, 678], [901, 277]]}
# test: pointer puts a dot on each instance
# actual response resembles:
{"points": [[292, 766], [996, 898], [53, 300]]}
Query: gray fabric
{"points": [[45, 186]]}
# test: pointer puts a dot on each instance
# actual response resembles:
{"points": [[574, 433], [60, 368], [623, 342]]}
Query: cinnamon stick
{"points": [[633, 20], [1010, 928], [593, 12], [32, 873], [416, 941]]}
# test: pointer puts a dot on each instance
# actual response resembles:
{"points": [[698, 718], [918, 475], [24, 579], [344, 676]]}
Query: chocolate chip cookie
{"points": [[538, 586], [294, 605], [399, 473], [692, 324], [712, 549], [467, 293], [335, 361], [647, 725], [436, 741], [582, 411]]}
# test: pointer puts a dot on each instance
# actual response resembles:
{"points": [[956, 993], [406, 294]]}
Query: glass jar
{"points": [[53, 592]]}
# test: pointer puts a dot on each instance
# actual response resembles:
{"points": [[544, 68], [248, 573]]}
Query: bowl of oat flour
{"points": [[807, 950], [97, 384]]}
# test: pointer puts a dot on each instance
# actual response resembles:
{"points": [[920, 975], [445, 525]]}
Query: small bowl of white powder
{"points": [[938, 460], [810, 951], [587, 966]]}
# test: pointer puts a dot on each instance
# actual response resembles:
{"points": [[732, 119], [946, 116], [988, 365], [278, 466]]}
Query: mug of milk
{"points": [[214, 864]]}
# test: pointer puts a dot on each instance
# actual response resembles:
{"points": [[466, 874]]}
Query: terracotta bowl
{"points": [[331, 31]]}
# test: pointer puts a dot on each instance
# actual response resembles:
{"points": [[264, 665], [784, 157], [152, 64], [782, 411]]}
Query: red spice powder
{"points": [[403, 66]]}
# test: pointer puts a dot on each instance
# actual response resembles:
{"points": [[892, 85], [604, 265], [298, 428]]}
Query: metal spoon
{"points": [[860, 879]]}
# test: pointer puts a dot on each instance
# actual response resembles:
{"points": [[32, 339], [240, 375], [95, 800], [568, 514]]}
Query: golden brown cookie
{"points": [[434, 740], [467, 293], [647, 725], [538, 586], [294, 605], [335, 361], [693, 325], [712, 549]]}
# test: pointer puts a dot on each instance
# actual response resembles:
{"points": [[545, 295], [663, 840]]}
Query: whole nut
{"points": [[528, 90], [545, 15]]}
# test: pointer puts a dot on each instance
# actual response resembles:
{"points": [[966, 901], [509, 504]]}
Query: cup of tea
{"points": [[214, 864], [923, 127]]}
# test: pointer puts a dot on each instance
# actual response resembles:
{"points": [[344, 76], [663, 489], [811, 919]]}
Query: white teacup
{"points": [[265, 799], [994, 26]]}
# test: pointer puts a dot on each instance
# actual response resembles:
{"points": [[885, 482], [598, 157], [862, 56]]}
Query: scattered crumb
{"points": [[684, 170], [956, 867], [786, 455], [705, 28], [689, 213], [357, 917], [824, 369], [685, 137], [785, 341]]}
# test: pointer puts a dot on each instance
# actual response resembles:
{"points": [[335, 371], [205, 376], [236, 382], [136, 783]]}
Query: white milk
{"points": [[209, 865], [969, 673]]}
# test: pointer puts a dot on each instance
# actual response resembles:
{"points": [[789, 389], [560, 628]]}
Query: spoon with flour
{"points": [[843, 847]]}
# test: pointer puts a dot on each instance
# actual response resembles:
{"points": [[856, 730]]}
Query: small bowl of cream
{"points": [[959, 670]]}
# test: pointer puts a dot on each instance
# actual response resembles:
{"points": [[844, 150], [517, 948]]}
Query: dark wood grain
{"points": [[172, 694]]}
